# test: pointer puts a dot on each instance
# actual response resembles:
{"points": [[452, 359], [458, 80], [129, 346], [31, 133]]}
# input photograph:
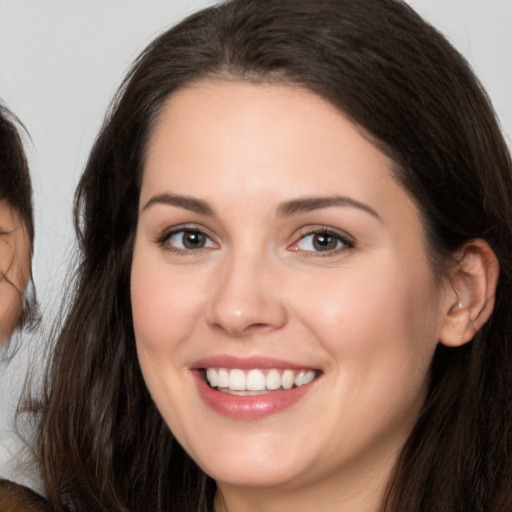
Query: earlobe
{"points": [[470, 301]]}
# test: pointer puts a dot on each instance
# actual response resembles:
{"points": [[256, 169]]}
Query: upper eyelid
{"points": [[189, 226], [304, 232]]}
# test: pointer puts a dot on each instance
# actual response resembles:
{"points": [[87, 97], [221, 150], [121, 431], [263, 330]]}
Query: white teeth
{"points": [[256, 380], [287, 379], [223, 381], [237, 380], [213, 377], [273, 380], [308, 377], [304, 378]]}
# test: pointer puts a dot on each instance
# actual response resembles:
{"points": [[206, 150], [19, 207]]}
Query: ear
{"points": [[470, 298]]}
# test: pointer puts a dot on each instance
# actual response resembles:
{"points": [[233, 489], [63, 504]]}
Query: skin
{"points": [[14, 269], [367, 315]]}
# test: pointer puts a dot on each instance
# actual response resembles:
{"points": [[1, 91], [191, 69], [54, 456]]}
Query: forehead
{"points": [[245, 127]]}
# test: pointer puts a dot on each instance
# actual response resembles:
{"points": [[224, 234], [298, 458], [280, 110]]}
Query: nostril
{"points": [[260, 326], [241, 330]]}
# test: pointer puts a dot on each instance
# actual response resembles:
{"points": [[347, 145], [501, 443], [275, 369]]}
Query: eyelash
{"points": [[163, 240], [346, 241]]}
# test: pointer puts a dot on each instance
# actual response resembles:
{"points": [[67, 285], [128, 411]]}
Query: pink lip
{"points": [[246, 363], [247, 407]]}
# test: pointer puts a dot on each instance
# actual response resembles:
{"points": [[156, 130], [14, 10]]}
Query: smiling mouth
{"points": [[235, 381]]}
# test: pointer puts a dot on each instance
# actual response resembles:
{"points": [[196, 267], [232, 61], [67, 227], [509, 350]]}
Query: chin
{"points": [[251, 475], [251, 468]]}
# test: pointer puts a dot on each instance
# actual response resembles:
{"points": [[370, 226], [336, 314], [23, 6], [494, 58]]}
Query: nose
{"points": [[247, 298]]}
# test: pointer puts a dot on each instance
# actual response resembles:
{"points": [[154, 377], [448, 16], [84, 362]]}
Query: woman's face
{"points": [[285, 311], [14, 269]]}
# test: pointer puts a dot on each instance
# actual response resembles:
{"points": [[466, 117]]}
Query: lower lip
{"points": [[251, 407]]}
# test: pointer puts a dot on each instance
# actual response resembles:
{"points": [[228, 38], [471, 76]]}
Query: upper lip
{"points": [[247, 363]]}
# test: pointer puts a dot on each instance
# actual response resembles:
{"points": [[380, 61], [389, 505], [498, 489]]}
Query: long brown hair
{"points": [[102, 443]]}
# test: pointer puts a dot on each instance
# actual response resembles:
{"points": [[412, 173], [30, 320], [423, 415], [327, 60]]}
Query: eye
{"points": [[322, 240], [187, 240]]}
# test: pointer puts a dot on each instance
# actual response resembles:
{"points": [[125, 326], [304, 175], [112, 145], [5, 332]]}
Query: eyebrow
{"points": [[308, 204], [286, 209], [188, 203]]}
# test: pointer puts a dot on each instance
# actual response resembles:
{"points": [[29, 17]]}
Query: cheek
{"points": [[10, 309], [166, 308], [380, 331], [12, 288], [165, 304], [381, 319]]}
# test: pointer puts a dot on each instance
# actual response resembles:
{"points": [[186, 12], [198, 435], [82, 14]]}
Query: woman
{"points": [[16, 229], [16, 241], [295, 231]]}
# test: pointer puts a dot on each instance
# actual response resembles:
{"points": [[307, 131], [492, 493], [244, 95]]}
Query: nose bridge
{"points": [[246, 298]]}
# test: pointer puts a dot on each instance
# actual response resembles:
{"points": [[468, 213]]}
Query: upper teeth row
{"points": [[257, 380]]}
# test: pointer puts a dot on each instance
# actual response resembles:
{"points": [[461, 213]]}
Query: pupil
{"points": [[324, 242], [193, 240]]}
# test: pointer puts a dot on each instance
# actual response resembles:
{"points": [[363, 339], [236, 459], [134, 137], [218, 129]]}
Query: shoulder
{"points": [[17, 498]]}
